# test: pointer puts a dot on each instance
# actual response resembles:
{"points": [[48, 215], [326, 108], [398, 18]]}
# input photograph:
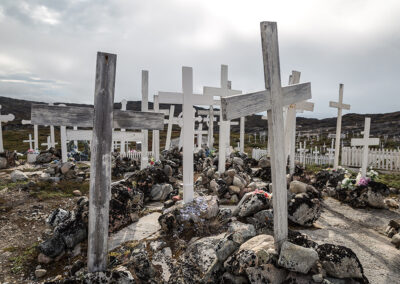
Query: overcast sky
{"points": [[48, 48]]}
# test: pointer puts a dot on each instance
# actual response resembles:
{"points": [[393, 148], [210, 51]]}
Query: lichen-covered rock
{"points": [[189, 216], [252, 203], [17, 175], [339, 261], [160, 192], [297, 258], [304, 210], [266, 273]]}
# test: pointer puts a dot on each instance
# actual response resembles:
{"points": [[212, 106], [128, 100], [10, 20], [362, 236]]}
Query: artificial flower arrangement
{"points": [[259, 191], [32, 151], [349, 183]]}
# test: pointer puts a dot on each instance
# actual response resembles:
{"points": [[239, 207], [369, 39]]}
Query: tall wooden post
{"points": [[242, 121], [272, 77], [100, 171], [188, 130], [145, 107]]}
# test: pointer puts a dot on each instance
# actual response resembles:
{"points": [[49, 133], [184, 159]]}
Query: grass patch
{"points": [[315, 168], [48, 190], [391, 180], [24, 259], [12, 185]]}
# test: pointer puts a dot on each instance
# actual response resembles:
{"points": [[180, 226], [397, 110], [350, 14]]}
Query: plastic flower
{"points": [[259, 191], [363, 181]]}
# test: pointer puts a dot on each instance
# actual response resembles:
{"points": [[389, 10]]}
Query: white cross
{"points": [[171, 121], [272, 99], [35, 133], [200, 132], [331, 151], [145, 107], [316, 152], [302, 151], [188, 100], [224, 129], [365, 142], [210, 123], [49, 144], [4, 118], [339, 105], [30, 140], [122, 142]]}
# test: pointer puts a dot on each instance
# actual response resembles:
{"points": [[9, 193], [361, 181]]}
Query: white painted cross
{"points": [[365, 142], [49, 144], [188, 100], [315, 152], [171, 121], [35, 133], [331, 151], [145, 107], [224, 129], [200, 132], [273, 99], [102, 118], [123, 144], [52, 135], [30, 140], [4, 118], [339, 105], [210, 123], [156, 133], [302, 151], [290, 125]]}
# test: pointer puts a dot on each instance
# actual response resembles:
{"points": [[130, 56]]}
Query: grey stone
{"points": [[234, 189], [238, 161], [39, 273], [228, 278], [58, 216], [168, 170], [264, 162], [241, 231], [231, 173], [266, 273], [3, 163], [66, 167], [318, 278], [17, 175], [160, 192], [225, 247], [376, 199], [396, 240], [253, 204], [234, 199], [297, 187], [297, 258], [303, 210], [238, 182]]}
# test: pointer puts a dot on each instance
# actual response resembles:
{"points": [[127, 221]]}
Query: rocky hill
{"points": [[382, 124]]}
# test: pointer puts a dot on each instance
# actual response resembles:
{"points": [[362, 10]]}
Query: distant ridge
{"points": [[382, 124]]}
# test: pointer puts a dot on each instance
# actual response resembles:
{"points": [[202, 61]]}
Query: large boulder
{"points": [[17, 175], [304, 210], [339, 261], [297, 258], [266, 273], [185, 217], [252, 203]]}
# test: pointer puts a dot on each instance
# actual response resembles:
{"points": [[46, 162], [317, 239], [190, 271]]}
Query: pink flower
{"points": [[259, 191]]}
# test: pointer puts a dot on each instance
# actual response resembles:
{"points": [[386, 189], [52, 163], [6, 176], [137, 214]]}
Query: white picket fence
{"points": [[382, 159], [308, 159], [258, 153], [135, 155]]}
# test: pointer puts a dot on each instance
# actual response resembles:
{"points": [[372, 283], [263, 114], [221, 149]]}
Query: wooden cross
{"points": [[49, 144], [339, 105], [315, 152], [200, 132], [102, 118], [290, 126], [224, 129], [241, 137], [171, 121], [35, 133], [365, 142], [210, 123], [30, 140], [331, 151], [52, 135], [145, 107], [123, 144], [188, 100], [272, 99], [302, 151], [156, 133], [4, 118]]}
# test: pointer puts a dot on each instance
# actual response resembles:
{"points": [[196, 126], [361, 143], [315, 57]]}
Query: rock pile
{"points": [[48, 156], [121, 166], [8, 159], [56, 171], [70, 227]]}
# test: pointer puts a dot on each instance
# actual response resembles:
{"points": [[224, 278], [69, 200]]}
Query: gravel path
{"points": [[362, 231]]}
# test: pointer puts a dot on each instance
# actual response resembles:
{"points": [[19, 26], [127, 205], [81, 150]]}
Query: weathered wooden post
{"points": [[365, 142], [100, 170], [339, 105], [123, 142], [145, 107], [241, 139]]}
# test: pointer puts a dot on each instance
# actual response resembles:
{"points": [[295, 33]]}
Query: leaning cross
{"points": [[102, 118], [224, 129], [339, 105], [4, 118], [365, 142], [272, 99]]}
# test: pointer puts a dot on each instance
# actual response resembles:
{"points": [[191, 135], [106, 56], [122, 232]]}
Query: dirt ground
{"points": [[362, 231], [22, 227]]}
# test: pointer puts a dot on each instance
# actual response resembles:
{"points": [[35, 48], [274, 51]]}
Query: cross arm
{"points": [[213, 91], [177, 98], [364, 142], [83, 117], [6, 118], [247, 104], [339, 105], [304, 105]]}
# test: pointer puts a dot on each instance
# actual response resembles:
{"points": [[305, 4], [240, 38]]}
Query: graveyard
{"points": [[153, 161]]}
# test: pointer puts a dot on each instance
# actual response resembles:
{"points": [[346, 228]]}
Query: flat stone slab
{"points": [[144, 228]]}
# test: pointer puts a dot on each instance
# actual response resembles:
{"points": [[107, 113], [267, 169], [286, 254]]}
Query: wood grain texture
{"points": [[177, 99], [83, 117], [100, 170], [145, 107], [247, 104], [272, 79]]}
